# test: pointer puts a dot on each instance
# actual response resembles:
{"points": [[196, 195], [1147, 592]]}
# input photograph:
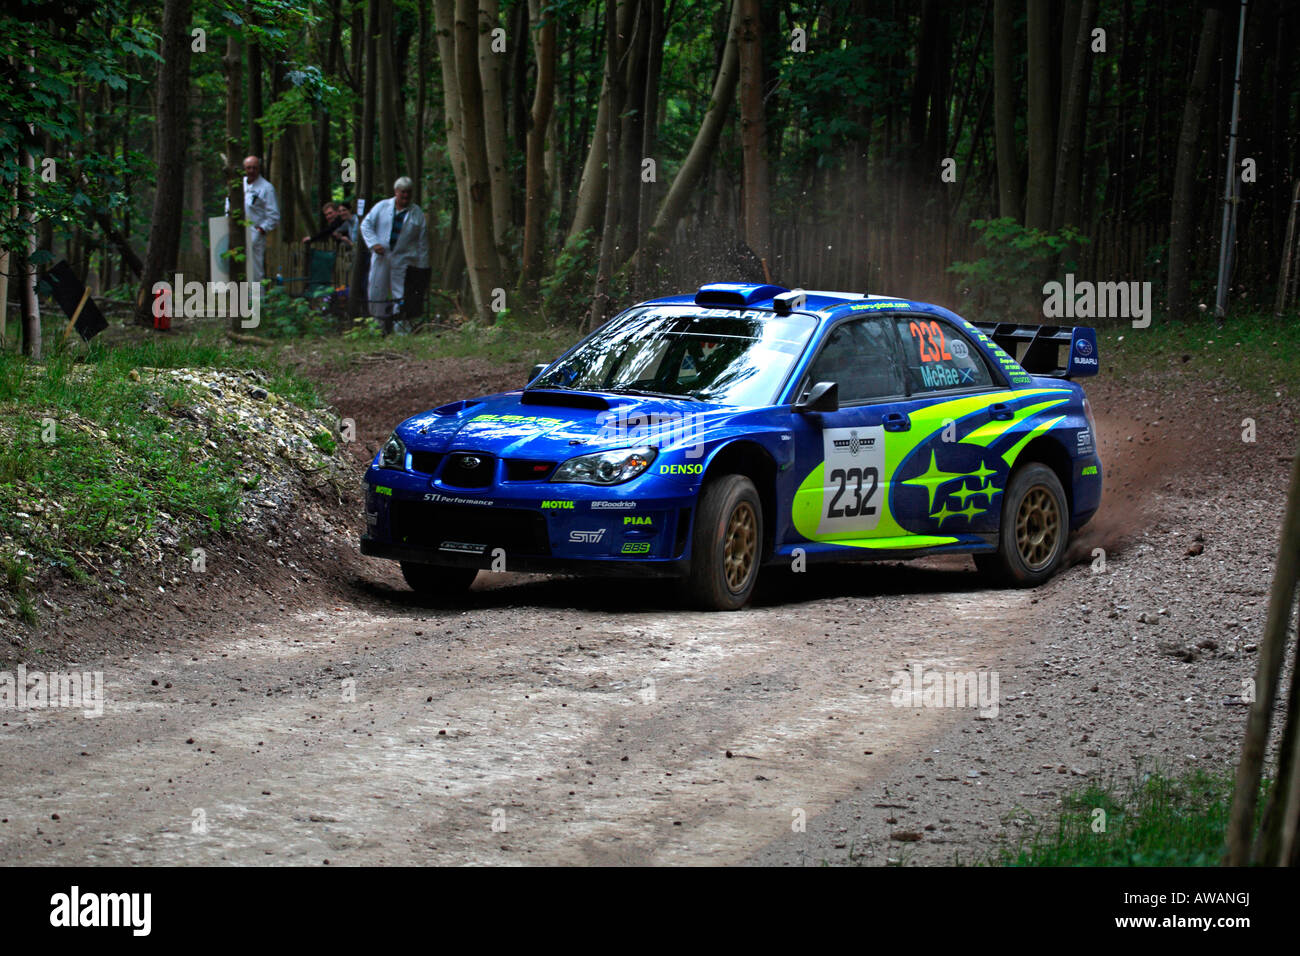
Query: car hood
{"points": [[554, 426]]}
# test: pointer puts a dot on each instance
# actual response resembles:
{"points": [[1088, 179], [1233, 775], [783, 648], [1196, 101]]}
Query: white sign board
{"points": [[218, 243]]}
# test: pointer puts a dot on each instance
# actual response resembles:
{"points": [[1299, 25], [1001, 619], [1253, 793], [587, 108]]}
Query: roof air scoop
{"points": [[735, 294]]}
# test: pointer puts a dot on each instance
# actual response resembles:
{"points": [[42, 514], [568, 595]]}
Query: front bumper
{"points": [[527, 525], [623, 567]]}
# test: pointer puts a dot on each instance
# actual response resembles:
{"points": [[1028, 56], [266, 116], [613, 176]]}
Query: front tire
{"points": [[1033, 531], [727, 544], [438, 583]]}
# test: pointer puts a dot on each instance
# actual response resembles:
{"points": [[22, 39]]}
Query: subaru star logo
{"points": [[471, 461], [1083, 347]]}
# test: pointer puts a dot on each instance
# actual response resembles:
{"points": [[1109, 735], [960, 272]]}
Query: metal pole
{"points": [[1230, 185]]}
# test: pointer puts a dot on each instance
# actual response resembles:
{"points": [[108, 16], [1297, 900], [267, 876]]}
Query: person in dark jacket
{"points": [[331, 213]]}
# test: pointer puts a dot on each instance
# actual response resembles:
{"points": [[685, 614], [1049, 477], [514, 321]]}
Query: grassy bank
{"points": [[1156, 821], [94, 455], [1254, 353]]}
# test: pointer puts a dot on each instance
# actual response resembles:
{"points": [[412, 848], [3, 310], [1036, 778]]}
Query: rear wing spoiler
{"points": [[1056, 351]]}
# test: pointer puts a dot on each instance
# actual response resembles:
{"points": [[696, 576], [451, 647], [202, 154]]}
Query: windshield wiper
{"points": [[647, 392]]}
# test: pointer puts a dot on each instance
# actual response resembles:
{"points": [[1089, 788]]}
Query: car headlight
{"points": [[606, 467], [393, 454]]}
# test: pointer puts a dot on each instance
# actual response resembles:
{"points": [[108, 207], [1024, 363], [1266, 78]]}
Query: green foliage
{"points": [[825, 96], [566, 290], [286, 316], [1007, 282], [308, 91], [103, 48], [1157, 821]]}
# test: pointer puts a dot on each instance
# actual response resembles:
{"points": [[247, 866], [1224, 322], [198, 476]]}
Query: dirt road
{"points": [[565, 721]]}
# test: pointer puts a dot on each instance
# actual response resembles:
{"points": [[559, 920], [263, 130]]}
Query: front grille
{"points": [[425, 524], [425, 462], [469, 470], [522, 469]]}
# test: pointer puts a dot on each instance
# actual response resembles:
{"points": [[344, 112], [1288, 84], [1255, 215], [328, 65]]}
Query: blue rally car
{"points": [[702, 436]]}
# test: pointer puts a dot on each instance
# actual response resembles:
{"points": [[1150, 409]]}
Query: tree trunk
{"points": [[535, 185], [591, 186], [518, 113], [388, 98], [358, 33], [477, 220], [705, 145], [650, 127], [421, 99], [753, 134], [636, 52], [491, 68], [1065, 194], [326, 174], [358, 293], [444, 19], [255, 141], [234, 160], [1038, 193], [198, 227], [1189, 153], [29, 306], [169, 183], [615, 46]]}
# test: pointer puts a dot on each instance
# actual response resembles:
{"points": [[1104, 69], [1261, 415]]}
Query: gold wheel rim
{"points": [[1038, 527], [740, 545]]}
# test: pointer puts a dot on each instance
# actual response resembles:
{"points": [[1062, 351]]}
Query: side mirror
{"points": [[537, 370], [823, 397]]}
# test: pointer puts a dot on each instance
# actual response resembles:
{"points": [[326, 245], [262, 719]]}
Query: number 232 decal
{"points": [[929, 341], [853, 480], [859, 505]]}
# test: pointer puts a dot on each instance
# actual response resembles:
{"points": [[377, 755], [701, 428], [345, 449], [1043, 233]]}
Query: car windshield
{"points": [[713, 355]]}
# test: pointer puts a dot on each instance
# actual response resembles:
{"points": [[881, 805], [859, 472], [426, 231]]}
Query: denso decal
{"points": [[681, 469]]}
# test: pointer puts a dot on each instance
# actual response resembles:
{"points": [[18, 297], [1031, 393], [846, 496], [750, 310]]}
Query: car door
{"points": [[946, 482], [841, 458]]}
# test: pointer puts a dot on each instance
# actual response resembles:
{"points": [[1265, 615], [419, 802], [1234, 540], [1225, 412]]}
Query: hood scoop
{"points": [[542, 396]]}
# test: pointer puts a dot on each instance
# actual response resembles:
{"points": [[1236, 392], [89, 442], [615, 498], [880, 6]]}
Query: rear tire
{"points": [[436, 582], [726, 545], [1033, 532]]}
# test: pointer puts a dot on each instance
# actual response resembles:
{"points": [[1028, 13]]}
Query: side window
{"points": [[859, 356], [939, 357]]}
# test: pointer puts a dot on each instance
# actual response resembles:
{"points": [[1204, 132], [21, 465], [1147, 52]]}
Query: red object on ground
{"points": [[162, 322]]}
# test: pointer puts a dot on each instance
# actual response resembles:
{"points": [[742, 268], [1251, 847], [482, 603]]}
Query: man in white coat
{"points": [[394, 231], [262, 213]]}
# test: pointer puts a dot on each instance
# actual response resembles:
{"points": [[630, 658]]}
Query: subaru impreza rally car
{"points": [[702, 436]]}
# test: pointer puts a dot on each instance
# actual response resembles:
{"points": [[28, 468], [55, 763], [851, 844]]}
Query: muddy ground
{"points": [[296, 704]]}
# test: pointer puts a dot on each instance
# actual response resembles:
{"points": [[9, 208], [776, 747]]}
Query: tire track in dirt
{"points": [[595, 737]]}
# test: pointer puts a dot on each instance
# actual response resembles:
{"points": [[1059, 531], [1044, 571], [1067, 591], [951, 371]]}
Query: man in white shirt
{"points": [[262, 213], [394, 231]]}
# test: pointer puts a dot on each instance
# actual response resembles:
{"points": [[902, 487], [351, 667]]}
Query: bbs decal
{"points": [[853, 460]]}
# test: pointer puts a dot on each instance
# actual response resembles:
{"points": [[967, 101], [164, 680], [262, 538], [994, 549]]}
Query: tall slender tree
{"points": [[1181, 211], [169, 184]]}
